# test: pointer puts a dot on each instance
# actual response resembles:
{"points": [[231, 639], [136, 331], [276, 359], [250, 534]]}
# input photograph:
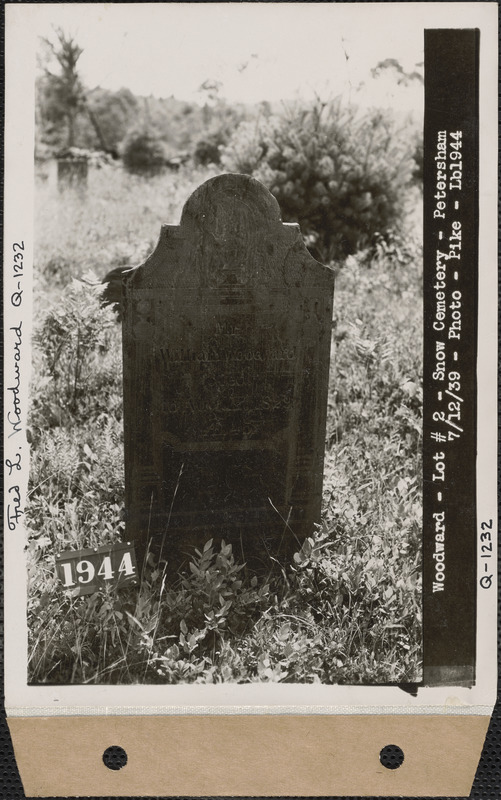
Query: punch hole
{"points": [[391, 756], [115, 757]]}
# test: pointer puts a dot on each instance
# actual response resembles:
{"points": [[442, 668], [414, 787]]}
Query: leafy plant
{"points": [[74, 339]]}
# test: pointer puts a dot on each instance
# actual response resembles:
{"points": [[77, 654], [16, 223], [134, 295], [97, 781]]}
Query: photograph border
{"points": [[27, 706]]}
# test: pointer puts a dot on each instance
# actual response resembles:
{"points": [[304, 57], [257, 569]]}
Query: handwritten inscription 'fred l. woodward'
{"points": [[227, 331], [13, 413]]}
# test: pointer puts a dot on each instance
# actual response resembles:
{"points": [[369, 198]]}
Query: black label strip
{"points": [[450, 353]]}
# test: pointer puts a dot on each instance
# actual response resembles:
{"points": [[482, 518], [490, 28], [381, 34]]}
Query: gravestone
{"points": [[72, 172], [226, 338]]}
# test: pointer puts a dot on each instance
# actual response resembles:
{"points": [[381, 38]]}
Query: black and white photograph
{"points": [[250, 396], [269, 482], [241, 404]]}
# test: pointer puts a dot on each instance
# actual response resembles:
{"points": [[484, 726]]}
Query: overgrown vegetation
{"points": [[70, 114], [347, 608], [143, 151], [61, 88], [342, 175], [339, 173]]}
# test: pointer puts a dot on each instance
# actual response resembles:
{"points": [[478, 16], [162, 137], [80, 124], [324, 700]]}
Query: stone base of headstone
{"points": [[226, 336]]}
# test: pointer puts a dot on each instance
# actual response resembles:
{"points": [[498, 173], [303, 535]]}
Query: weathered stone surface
{"points": [[226, 332]]}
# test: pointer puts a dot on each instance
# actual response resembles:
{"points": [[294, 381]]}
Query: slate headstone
{"points": [[226, 337], [72, 172]]}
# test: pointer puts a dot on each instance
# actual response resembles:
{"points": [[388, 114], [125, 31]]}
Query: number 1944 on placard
{"points": [[86, 571]]}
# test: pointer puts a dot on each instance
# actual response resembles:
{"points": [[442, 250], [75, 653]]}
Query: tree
{"points": [[341, 174], [403, 78], [209, 90], [63, 91]]}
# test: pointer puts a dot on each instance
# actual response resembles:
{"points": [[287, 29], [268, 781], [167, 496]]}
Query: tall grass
{"points": [[115, 222], [347, 609]]}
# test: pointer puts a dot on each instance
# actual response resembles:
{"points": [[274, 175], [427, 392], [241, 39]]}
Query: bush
{"points": [[207, 149], [340, 175], [143, 151], [417, 173], [79, 375]]}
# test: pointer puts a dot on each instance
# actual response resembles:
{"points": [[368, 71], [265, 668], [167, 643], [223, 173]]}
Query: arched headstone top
{"points": [[230, 234], [231, 200]]}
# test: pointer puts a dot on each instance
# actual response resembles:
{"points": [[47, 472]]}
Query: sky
{"points": [[258, 51]]}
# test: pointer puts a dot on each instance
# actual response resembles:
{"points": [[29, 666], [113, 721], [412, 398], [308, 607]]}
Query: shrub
{"points": [[417, 173], [340, 174], [207, 149], [79, 374], [249, 145], [143, 151]]}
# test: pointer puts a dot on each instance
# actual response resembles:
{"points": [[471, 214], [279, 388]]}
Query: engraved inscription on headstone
{"points": [[226, 331]]}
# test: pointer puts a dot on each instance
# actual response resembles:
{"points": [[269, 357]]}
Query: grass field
{"points": [[347, 609]]}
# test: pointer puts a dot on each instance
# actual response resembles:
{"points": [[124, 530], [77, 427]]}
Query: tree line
{"points": [[69, 114]]}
